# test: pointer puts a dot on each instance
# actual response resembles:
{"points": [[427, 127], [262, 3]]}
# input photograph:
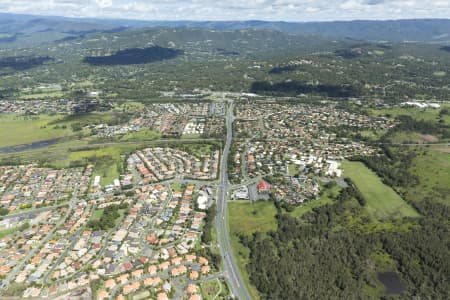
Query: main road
{"points": [[233, 275]]}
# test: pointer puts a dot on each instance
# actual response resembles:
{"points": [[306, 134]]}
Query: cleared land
{"points": [[107, 161], [248, 218], [382, 201]]}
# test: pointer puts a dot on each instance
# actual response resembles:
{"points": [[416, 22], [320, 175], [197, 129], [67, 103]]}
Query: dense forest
{"points": [[348, 53], [20, 63], [227, 52], [283, 69], [321, 257], [134, 56], [337, 251], [108, 218], [294, 88], [409, 124]]}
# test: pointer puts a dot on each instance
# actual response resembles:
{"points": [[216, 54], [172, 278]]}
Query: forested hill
{"points": [[421, 30]]}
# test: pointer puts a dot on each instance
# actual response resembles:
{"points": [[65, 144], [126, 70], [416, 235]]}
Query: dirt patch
{"points": [[443, 149], [430, 138]]}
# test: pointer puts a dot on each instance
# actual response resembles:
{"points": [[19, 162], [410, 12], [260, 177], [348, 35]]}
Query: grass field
{"points": [[142, 135], [432, 166], [43, 95], [210, 289], [403, 137], [191, 136], [86, 119], [107, 161], [326, 198], [98, 214], [382, 201], [247, 218], [418, 114], [18, 130], [8, 231], [292, 169], [198, 150]]}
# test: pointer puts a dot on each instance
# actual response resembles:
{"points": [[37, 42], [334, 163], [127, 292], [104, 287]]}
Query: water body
{"points": [[26, 147], [391, 282]]}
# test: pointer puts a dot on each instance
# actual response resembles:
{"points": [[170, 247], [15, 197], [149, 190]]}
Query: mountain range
{"points": [[14, 27]]}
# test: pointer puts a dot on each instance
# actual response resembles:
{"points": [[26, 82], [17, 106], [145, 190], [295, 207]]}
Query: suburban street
{"points": [[233, 275], [31, 253]]}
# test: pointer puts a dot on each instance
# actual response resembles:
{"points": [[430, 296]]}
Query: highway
{"points": [[231, 270]]}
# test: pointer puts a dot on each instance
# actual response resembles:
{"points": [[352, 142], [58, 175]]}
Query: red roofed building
{"points": [[128, 266], [263, 187]]}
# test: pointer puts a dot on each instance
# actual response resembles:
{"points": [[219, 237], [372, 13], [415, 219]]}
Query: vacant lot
{"points": [[382, 201], [248, 218], [107, 161]]}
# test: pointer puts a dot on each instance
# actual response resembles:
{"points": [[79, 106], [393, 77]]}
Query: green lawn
{"points": [[17, 130], [292, 169], [382, 201], [176, 186], [326, 198], [248, 218]]}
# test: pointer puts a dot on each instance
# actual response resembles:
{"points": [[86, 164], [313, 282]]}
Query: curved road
{"points": [[233, 275]]}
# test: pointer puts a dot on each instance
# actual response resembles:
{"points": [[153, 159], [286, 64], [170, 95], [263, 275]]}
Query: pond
{"points": [[25, 147], [391, 282]]}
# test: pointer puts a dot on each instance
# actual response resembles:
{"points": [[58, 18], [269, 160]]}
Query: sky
{"points": [[274, 10]]}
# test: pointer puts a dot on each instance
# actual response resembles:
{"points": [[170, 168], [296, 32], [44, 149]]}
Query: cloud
{"points": [[104, 3], [373, 2], [284, 10]]}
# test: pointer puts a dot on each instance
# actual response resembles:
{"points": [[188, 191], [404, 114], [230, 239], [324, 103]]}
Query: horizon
{"points": [[292, 11], [212, 20]]}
